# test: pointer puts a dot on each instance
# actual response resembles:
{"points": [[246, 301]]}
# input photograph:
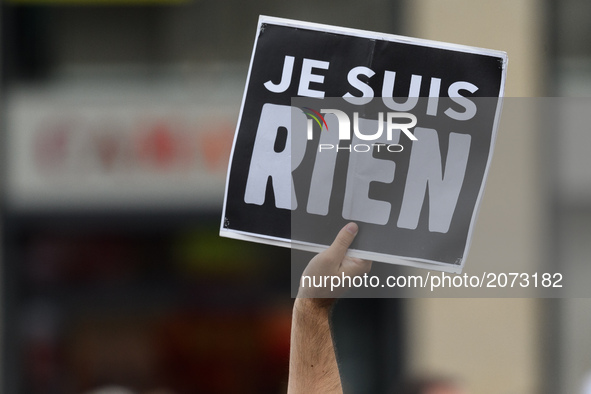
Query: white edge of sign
{"points": [[238, 122], [276, 241], [381, 36], [317, 248]]}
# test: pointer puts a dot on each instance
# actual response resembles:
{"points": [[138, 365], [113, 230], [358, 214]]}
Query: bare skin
{"points": [[312, 365]]}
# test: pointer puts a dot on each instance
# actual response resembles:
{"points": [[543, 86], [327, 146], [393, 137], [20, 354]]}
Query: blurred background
{"points": [[116, 124]]}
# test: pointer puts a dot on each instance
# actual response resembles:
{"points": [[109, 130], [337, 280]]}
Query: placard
{"points": [[342, 125]]}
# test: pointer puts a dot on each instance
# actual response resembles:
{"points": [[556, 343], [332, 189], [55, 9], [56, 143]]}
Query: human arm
{"points": [[312, 366]]}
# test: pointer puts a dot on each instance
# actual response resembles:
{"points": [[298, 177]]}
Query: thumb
{"points": [[338, 249]]}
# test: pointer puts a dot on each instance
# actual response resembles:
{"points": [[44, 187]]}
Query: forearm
{"points": [[312, 364], [312, 361]]}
